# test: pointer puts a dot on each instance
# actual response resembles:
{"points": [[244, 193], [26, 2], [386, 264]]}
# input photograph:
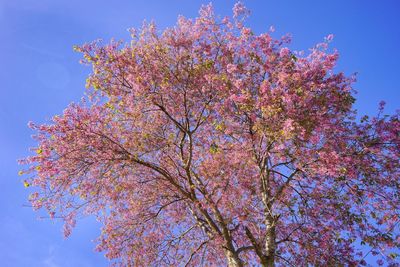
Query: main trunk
{"points": [[268, 262], [233, 259], [270, 245]]}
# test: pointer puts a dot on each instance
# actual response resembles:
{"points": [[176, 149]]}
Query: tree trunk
{"points": [[270, 243], [233, 259], [268, 262]]}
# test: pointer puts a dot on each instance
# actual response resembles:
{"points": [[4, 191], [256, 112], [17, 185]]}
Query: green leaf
{"points": [[213, 148]]}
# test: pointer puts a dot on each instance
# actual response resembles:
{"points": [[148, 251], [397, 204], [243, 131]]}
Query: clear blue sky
{"points": [[40, 75]]}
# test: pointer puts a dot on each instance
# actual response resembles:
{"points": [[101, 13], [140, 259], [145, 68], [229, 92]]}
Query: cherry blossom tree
{"points": [[208, 145]]}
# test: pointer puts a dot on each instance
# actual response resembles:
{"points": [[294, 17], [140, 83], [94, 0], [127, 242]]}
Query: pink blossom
{"points": [[231, 68], [329, 38], [239, 9], [284, 52]]}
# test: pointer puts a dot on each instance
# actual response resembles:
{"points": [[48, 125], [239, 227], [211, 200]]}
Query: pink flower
{"points": [[272, 28], [284, 52], [246, 31], [239, 83], [329, 38], [231, 68], [240, 10], [238, 98], [288, 125]]}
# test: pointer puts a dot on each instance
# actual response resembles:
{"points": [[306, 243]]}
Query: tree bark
{"points": [[268, 262], [270, 243], [233, 259]]}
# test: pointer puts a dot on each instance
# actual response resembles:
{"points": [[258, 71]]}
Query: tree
{"points": [[208, 144]]}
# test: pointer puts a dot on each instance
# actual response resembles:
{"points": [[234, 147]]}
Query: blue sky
{"points": [[40, 75]]}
